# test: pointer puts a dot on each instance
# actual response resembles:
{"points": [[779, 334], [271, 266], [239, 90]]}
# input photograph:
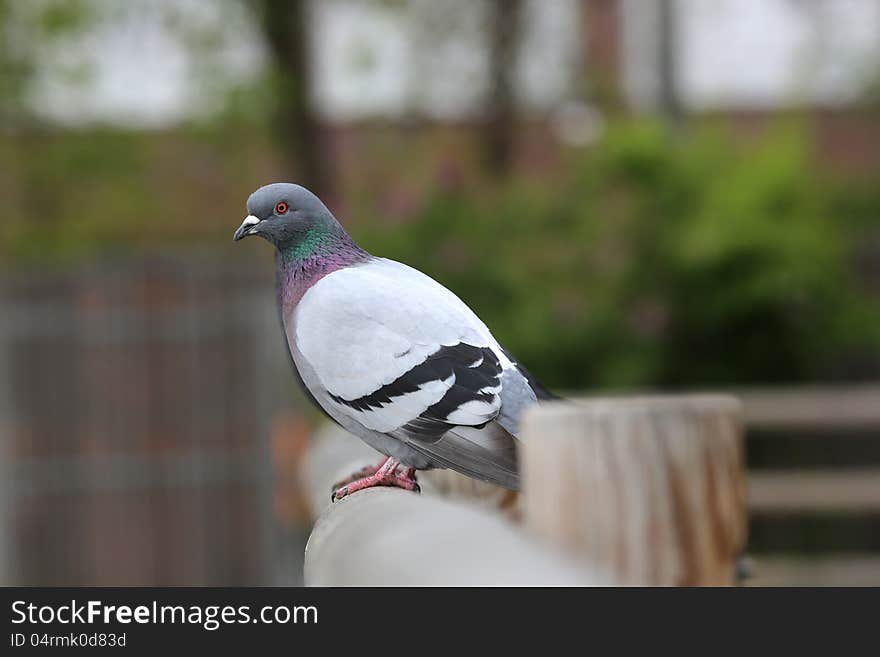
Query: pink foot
{"points": [[360, 474], [385, 475]]}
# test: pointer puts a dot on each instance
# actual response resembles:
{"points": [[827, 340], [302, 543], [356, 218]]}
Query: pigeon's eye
{"points": [[281, 208]]}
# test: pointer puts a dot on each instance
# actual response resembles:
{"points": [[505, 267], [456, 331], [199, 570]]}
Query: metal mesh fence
{"points": [[135, 405]]}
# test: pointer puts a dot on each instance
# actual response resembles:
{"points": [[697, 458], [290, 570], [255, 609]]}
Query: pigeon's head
{"points": [[281, 213]]}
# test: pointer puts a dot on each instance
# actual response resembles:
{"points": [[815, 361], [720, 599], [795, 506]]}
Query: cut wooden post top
{"points": [[649, 488]]}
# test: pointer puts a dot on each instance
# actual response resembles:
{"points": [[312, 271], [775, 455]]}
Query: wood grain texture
{"points": [[650, 489]]}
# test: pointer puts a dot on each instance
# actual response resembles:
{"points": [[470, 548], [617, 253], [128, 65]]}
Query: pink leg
{"points": [[360, 474], [386, 475]]}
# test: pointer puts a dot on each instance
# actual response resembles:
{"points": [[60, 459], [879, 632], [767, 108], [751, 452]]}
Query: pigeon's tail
{"points": [[487, 453], [541, 392]]}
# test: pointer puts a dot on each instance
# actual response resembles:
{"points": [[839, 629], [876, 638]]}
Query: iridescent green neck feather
{"points": [[317, 239]]}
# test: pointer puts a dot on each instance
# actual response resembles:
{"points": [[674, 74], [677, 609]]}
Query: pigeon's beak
{"points": [[246, 228]]}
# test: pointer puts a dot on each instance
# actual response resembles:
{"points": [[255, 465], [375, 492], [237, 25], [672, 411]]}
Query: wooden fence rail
{"points": [[392, 537], [842, 416], [628, 491], [813, 408]]}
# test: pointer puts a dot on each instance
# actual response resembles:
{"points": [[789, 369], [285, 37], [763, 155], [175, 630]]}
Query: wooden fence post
{"points": [[650, 489]]}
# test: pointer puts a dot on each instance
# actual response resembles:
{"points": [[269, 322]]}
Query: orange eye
{"points": [[281, 208]]}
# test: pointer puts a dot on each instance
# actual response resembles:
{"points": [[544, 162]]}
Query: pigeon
{"points": [[388, 353]]}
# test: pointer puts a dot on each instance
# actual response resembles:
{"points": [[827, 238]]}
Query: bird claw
{"points": [[384, 476], [355, 476], [340, 493]]}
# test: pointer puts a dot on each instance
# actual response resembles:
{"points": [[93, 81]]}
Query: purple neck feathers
{"points": [[300, 266]]}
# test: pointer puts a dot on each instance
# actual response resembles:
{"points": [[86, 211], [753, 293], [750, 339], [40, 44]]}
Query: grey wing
{"points": [[458, 431], [519, 390], [485, 451]]}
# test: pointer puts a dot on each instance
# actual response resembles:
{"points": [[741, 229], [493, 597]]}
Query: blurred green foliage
{"points": [[23, 25], [73, 195], [652, 259], [663, 259]]}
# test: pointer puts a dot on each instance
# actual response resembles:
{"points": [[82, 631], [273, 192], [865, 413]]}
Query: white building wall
{"points": [[428, 58]]}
